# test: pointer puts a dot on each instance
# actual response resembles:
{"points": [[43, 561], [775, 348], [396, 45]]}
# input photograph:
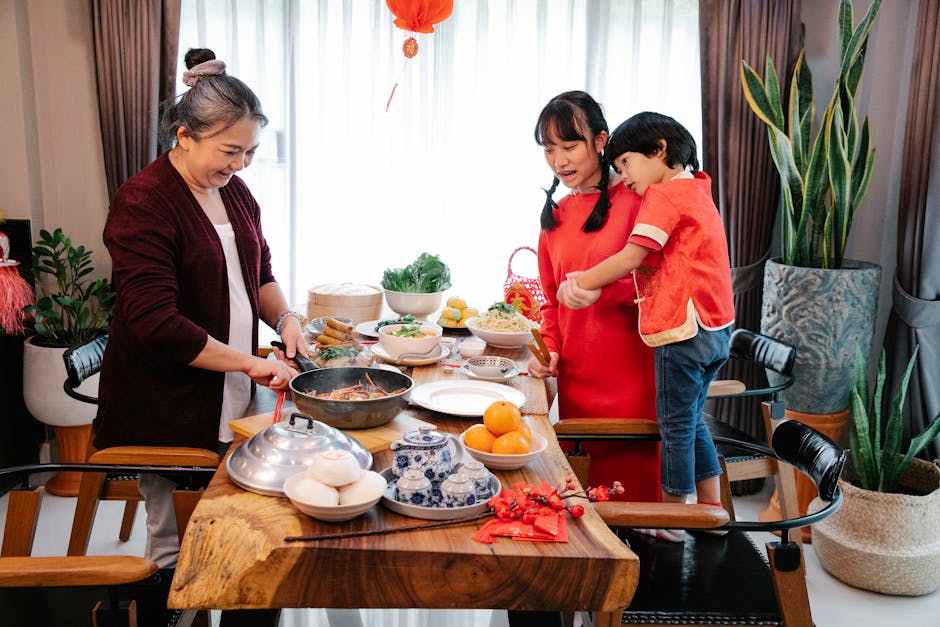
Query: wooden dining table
{"points": [[234, 554]]}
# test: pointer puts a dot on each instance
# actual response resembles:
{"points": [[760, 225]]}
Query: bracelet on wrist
{"points": [[284, 316]]}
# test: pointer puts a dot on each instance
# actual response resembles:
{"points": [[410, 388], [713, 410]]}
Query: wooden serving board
{"points": [[375, 439]]}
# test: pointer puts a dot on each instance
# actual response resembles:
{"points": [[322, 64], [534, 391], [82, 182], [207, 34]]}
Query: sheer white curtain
{"points": [[348, 189]]}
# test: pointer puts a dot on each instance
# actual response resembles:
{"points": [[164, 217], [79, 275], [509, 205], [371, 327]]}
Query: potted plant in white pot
{"points": [[71, 309], [814, 298], [886, 535]]}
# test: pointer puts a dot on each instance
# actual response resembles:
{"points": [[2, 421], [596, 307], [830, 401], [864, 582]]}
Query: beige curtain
{"points": [[135, 56], [735, 154], [915, 315]]}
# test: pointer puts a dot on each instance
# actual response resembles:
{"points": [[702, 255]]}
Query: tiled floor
{"points": [[834, 604]]}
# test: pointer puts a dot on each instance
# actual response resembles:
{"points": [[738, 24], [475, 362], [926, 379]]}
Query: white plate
{"points": [[464, 398], [368, 328], [432, 513], [441, 353], [465, 369]]}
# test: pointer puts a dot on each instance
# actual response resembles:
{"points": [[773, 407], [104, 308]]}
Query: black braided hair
{"points": [[568, 115], [547, 219], [598, 216]]}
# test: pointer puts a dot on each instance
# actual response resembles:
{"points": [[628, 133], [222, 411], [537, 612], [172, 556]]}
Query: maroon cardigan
{"points": [[172, 291]]}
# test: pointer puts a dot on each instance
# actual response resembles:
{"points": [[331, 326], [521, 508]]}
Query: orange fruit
{"points": [[479, 438], [525, 430], [502, 417], [512, 443]]}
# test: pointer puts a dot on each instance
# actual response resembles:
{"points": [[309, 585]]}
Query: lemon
{"points": [[468, 312], [447, 323], [456, 302], [450, 313]]}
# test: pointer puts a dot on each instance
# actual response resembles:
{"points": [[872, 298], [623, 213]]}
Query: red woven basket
{"points": [[522, 292]]}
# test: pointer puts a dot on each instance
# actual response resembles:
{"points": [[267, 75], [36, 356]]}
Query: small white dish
{"points": [[317, 325], [495, 461], [509, 376], [441, 353], [472, 348]]}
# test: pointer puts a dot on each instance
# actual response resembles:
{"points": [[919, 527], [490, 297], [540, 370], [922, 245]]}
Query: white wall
{"points": [[52, 164]]}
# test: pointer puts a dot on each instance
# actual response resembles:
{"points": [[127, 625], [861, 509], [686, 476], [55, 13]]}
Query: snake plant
{"points": [[877, 462], [823, 177]]}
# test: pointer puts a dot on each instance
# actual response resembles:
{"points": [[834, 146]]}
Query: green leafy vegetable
{"points": [[336, 352], [406, 319], [502, 306], [409, 331], [425, 275]]}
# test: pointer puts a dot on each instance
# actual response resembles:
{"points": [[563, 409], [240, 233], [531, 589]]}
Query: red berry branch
{"points": [[526, 502]]}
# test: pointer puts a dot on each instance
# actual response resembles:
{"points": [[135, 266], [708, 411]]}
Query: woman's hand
{"points": [[537, 370], [572, 296], [293, 337], [273, 373]]}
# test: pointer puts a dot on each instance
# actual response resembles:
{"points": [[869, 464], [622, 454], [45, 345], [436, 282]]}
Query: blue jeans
{"points": [[683, 372]]}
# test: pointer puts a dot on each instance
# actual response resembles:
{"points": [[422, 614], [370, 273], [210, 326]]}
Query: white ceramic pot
{"points": [[43, 377]]}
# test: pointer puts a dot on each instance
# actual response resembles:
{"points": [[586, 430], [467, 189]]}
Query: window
{"points": [[348, 189]]}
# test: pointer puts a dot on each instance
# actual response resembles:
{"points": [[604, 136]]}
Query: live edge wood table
{"points": [[234, 554]]}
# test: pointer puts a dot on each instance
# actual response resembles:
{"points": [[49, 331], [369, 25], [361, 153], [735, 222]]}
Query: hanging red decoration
{"points": [[410, 47], [416, 16], [419, 16]]}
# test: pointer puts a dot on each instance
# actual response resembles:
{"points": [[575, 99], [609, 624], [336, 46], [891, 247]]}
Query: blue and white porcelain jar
{"points": [[433, 453]]}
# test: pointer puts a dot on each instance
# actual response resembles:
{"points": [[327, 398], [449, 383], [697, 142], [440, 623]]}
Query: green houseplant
{"points": [[79, 307], [72, 308], [886, 535], [823, 178], [814, 298]]}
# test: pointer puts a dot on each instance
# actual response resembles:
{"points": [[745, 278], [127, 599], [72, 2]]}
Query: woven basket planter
{"points": [[883, 542]]}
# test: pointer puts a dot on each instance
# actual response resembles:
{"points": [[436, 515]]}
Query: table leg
{"points": [[250, 618]]}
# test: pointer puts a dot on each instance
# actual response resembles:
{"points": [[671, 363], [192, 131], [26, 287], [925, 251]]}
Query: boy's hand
{"points": [[572, 296]]}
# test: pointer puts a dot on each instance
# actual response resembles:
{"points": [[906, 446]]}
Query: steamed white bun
{"points": [[335, 468], [313, 492], [370, 486]]}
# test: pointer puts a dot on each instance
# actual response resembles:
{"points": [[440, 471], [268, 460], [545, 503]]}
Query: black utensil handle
{"points": [[302, 362]]}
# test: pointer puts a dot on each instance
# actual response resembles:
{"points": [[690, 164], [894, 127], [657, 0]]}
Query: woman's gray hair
{"points": [[213, 98]]}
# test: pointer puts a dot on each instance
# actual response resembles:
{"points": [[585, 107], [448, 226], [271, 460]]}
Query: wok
{"points": [[361, 414]]}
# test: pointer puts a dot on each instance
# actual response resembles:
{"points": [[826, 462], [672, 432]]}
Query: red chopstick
{"points": [[277, 407]]}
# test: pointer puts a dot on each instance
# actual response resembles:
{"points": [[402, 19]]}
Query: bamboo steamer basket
{"points": [[357, 301]]}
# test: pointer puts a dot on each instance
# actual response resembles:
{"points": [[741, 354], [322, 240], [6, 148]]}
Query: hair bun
{"points": [[206, 68]]}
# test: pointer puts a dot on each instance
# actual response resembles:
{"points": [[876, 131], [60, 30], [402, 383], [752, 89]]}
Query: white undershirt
{"points": [[237, 391]]}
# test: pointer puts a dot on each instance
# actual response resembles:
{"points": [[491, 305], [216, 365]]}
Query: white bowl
{"points": [[491, 366], [397, 346], [501, 339], [416, 304], [472, 347], [327, 513], [497, 461]]}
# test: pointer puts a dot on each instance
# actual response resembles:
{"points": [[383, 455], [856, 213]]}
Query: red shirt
{"points": [[172, 292], [605, 370], [686, 282]]}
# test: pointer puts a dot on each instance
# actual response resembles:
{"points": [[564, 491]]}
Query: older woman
{"points": [[192, 273]]}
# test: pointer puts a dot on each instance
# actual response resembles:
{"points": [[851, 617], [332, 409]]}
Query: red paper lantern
{"points": [[419, 16]]}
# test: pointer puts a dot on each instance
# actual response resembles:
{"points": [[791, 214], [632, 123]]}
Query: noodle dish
{"points": [[503, 326]]}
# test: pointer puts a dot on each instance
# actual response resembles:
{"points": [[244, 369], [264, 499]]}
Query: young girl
{"points": [[678, 256], [603, 368]]}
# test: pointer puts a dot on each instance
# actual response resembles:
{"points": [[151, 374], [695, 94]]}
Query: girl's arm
{"points": [[614, 267]]}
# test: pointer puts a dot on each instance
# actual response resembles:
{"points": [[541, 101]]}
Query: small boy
{"points": [[678, 256]]}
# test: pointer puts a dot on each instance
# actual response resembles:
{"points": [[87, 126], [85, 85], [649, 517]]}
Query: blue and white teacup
{"points": [[479, 477], [413, 488], [457, 491]]}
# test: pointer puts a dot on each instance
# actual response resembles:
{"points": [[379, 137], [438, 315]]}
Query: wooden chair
{"points": [[80, 363], [75, 590]]}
